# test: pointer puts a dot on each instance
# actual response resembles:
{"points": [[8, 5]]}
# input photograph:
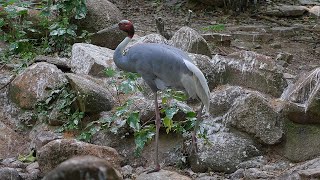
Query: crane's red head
{"points": [[127, 27]]}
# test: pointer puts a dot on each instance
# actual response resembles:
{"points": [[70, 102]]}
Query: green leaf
{"points": [[27, 158], [71, 32], [54, 33], [109, 72], [168, 123], [191, 114], [81, 12], [142, 137], [164, 100], [127, 86], [133, 120], [180, 95], [170, 112]]}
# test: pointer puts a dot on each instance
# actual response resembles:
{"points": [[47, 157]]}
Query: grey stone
{"points": [[12, 143], [57, 151], [102, 14], [83, 168], [254, 114], [297, 138], [61, 63], [285, 31], [223, 152], [252, 36], [190, 41], [162, 174], [9, 174], [91, 59], [222, 98], [34, 83], [91, 97], [247, 69], [315, 11], [218, 39], [286, 11], [301, 169]]}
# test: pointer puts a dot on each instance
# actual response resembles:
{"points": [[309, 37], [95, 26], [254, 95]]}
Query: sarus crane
{"points": [[162, 66]]}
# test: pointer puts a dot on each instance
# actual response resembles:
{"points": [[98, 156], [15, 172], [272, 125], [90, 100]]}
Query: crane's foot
{"points": [[157, 169]]}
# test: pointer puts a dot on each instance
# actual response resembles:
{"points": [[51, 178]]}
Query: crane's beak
{"points": [[108, 29]]}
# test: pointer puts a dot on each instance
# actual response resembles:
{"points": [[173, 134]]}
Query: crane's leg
{"points": [[158, 121], [194, 133]]}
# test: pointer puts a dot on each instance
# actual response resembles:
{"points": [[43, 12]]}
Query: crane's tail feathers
{"points": [[196, 85]]}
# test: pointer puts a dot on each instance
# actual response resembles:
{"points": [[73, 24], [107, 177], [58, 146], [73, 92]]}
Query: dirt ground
{"points": [[304, 45]]}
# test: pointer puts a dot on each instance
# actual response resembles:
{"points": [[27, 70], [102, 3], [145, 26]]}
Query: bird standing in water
{"points": [[162, 66]]}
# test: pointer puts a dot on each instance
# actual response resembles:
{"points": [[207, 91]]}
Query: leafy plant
{"points": [[54, 31], [28, 158], [215, 28], [125, 115], [60, 100]]}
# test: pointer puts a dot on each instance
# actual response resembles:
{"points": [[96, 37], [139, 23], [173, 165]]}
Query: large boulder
{"points": [[248, 69], [35, 83], [91, 59], [223, 152], [254, 114], [223, 97], [301, 142], [249, 111], [83, 168], [303, 98], [57, 151], [102, 14], [12, 143], [190, 41], [91, 97]]}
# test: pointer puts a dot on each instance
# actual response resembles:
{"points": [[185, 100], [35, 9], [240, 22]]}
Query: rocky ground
{"points": [[252, 30], [262, 73]]}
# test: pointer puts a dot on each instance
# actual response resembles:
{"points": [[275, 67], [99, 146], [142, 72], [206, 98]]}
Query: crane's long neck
{"points": [[120, 59]]}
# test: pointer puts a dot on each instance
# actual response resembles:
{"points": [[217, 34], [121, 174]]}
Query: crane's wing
{"points": [[196, 85]]}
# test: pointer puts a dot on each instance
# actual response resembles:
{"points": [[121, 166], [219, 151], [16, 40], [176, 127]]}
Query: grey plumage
{"points": [[164, 66]]}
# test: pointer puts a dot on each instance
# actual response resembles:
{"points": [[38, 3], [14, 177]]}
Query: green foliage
{"points": [[129, 85], [215, 28], [125, 116], [29, 158], [109, 72], [60, 100], [142, 137], [53, 31]]}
